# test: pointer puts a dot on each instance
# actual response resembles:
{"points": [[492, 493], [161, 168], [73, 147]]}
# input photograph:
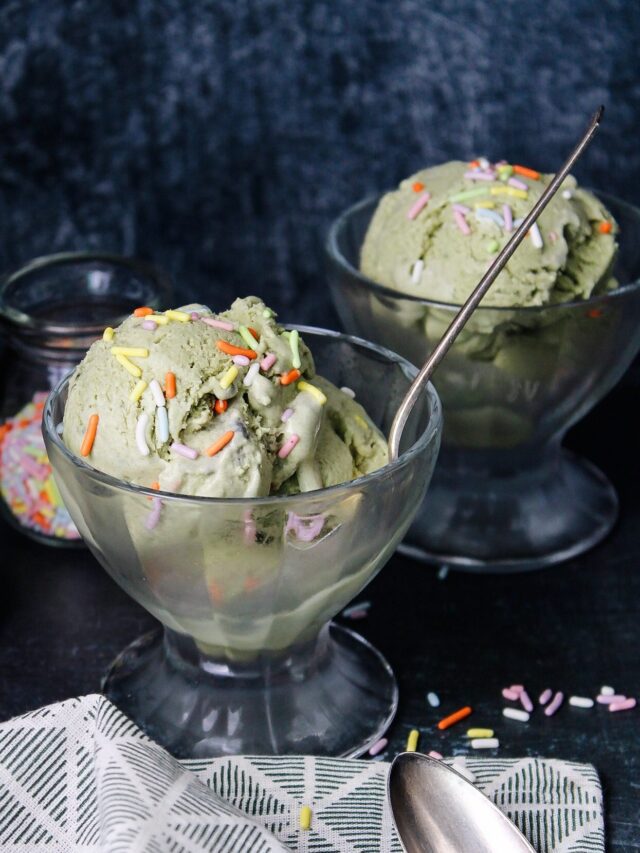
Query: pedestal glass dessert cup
{"points": [[248, 661], [506, 496]]}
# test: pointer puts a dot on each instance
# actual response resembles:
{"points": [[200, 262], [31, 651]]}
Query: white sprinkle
{"points": [[608, 698], [348, 391], [156, 392], [536, 236], [581, 701], [433, 699], [443, 571], [417, 271], [516, 714], [162, 424], [141, 433], [483, 162], [605, 690], [567, 194], [485, 743], [251, 375], [463, 770], [284, 417]]}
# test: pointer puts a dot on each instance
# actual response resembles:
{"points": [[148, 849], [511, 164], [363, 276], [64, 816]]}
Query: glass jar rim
{"points": [[331, 247], [426, 437]]}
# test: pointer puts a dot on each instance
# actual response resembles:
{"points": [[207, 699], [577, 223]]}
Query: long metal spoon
{"points": [[436, 810], [459, 321]]}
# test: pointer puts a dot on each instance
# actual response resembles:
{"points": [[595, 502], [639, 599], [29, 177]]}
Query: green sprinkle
{"points": [[468, 194], [505, 172], [493, 246], [267, 313], [294, 340], [247, 337]]}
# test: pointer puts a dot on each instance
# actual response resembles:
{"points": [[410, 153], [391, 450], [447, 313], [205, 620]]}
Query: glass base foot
{"points": [[334, 697], [483, 523]]}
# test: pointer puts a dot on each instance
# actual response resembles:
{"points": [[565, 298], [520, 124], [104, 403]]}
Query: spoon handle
{"points": [[460, 319]]}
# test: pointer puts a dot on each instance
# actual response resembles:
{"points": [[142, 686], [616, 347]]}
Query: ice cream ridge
{"points": [[218, 405], [435, 236]]}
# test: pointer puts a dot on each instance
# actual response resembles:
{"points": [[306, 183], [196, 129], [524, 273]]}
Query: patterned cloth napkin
{"points": [[79, 776]]}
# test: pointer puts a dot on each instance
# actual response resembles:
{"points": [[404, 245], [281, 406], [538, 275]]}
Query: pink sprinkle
{"points": [[461, 222], [284, 417], [480, 176], [249, 528], [527, 704], [358, 614], [149, 325], [154, 516], [518, 184], [194, 315], [241, 360], [420, 203], [267, 362], [508, 217], [219, 324], [553, 236], [461, 208], [545, 696], [378, 746], [517, 688], [607, 700], [627, 705], [288, 446], [183, 450], [555, 703], [434, 754], [511, 695]]}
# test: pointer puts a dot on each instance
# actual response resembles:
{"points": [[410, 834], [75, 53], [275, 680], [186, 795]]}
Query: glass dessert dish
{"points": [[248, 661], [506, 495]]}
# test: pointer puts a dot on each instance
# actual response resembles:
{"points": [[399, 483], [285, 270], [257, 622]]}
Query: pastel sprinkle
{"points": [[131, 352], [454, 718], [536, 236], [480, 733], [461, 208], [232, 349], [219, 324], [143, 311], [493, 246], [291, 376], [241, 360], [417, 270], [288, 446], [526, 172], [507, 215], [132, 368], [461, 222], [220, 406], [484, 213], [170, 385], [159, 319], [434, 754], [545, 696], [220, 443], [567, 194], [605, 690], [489, 205], [162, 424], [358, 607], [108, 334], [553, 236], [294, 343], [525, 701], [625, 705], [348, 391], [512, 191], [194, 315], [251, 375], [480, 176], [463, 196], [247, 337], [517, 183], [284, 417], [141, 433], [156, 393], [378, 746], [177, 316], [421, 202], [433, 699], [417, 187], [581, 701], [138, 390], [183, 450], [305, 817], [315, 392], [361, 421], [605, 227], [149, 325], [505, 171], [485, 743], [268, 313], [267, 362], [89, 436], [412, 740], [229, 377], [154, 516], [555, 703], [483, 162], [516, 714]]}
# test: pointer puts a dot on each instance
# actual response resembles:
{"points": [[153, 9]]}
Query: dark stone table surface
{"points": [[573, 627]]}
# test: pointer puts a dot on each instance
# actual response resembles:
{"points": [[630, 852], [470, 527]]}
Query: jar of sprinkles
{"points": [[51, 311]]}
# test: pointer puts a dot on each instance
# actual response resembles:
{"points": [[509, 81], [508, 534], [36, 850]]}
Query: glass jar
{"points": [[51, 311]]}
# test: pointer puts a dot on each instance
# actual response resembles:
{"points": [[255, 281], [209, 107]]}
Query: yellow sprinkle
{"points": [[178, 316], [481, 733], [247, 337], [138, 391], [133, 369], [52, 492], [136, 352], [412, 740], [305, 817], [361, 421], [315, 392], [229, 377], [160, 319], [512, 191], [489, 205], [108, 334]]}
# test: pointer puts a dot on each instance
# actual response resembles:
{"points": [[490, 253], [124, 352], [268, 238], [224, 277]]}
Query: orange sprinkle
{"points": [[527, 173], [143, 311], [454, 718], [89, 436], [255, 333], [474, 164], [170, 385], [215, 592], [44, 497], [605, 227], [155, 485], [217, 446], [24, 422], [417, 187], [291, 376], [595, 313], [221, 406], [230, 349]]}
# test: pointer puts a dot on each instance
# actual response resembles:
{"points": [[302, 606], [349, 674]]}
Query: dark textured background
{"points": [[219, 137]]}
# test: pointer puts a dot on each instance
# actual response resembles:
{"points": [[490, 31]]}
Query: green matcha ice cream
{"points": [[219, 405]]}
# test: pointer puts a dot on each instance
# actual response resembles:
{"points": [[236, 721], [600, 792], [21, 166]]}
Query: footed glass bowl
{"points": [[248, 661], [506, 496]]}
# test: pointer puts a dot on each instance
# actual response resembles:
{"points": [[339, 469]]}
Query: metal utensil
{"points": [[460, 319], [437, 811]]}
